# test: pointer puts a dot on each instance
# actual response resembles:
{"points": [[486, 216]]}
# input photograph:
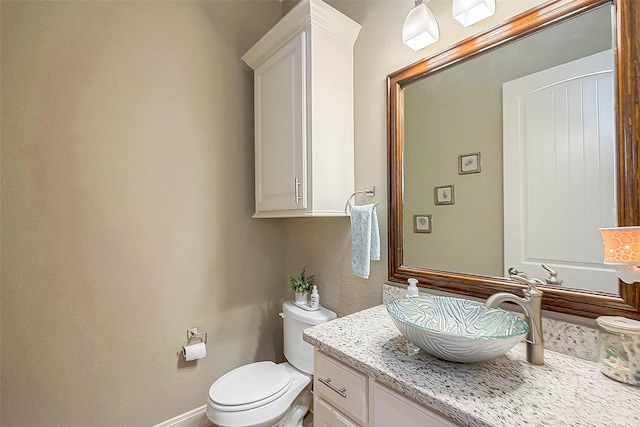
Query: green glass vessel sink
{"points": [[456, 329]]}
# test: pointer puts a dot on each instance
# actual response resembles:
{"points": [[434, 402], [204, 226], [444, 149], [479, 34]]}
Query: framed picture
{"points": [[444, 195], [422, 223], [469, 163]]}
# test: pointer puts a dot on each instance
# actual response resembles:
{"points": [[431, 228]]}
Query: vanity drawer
{"points": [[325, 415], [345, 388], [389, 408]]}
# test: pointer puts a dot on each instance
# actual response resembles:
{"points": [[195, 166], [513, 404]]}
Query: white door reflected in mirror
{"points": [[559, 157]]}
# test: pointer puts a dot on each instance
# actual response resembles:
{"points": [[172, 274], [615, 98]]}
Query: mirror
{"points": [[474, 137], [475, 280]]}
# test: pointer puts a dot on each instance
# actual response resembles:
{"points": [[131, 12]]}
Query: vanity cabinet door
{"points": [[325, 415], [389, 408]]}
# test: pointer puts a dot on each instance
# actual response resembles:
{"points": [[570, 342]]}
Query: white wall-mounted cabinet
{"points": [[345, 397], [303, 101]]}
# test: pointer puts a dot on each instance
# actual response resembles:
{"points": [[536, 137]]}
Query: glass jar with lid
{"points": [[619, 348]]}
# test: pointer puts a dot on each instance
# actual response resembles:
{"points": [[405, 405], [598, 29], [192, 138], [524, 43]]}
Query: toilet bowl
{"points": [[266, 394], [257, 395]]}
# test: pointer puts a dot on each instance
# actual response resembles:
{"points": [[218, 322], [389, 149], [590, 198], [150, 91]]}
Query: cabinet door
{"points": [[324, 415], [280, 133], [391, 409]]}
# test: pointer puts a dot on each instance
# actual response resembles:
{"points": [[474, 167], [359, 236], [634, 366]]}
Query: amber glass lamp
{"points": [[622, 250]]}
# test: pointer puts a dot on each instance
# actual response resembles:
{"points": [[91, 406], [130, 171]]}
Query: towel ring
{"points": [[369, 192]]}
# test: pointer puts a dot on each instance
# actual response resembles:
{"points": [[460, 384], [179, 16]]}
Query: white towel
{"points": [[365, 239]]}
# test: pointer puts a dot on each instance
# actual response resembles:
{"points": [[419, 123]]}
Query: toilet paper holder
{"points": [[192, 333]]}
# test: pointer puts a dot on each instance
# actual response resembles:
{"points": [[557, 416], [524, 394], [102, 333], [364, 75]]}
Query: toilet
{"points": [[265, 394]]}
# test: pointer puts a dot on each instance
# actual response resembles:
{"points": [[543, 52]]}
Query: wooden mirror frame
{"points": [[626, 40]]}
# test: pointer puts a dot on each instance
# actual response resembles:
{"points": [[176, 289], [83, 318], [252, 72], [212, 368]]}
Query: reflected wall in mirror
{"points": [[437, 112]]}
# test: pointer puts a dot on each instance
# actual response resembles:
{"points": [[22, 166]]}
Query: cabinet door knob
{"points": [[341, 391]]}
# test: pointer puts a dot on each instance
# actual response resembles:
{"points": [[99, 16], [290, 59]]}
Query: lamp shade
{"points": [[468, 12], [621, 245], [622, 249], [420, 28]]}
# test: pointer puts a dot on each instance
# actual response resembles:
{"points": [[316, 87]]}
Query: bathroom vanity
{"points": [[389, 381], [342, 394]]}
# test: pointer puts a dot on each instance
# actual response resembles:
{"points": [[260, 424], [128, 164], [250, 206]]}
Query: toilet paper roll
{"points": [[195, 351]]}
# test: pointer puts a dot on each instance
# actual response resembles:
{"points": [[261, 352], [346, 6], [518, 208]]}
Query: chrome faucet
{"points": [[553, 278], [532, 306], [514, 271]]}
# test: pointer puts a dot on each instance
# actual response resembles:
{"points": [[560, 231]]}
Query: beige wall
{"points": [[127, 181], [127, 193]]}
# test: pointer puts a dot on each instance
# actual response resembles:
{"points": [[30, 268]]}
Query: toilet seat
{"points": [[249, 386], [266, 412]]}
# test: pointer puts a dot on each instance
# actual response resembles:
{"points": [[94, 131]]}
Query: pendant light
{"points": [[420, 27], [468, 12]]}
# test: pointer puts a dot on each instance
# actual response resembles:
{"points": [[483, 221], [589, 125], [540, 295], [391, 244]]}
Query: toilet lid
{"points": [[250, 386]]}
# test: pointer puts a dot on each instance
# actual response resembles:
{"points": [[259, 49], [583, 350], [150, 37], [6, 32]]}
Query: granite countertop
{"points": [[506, 391]]}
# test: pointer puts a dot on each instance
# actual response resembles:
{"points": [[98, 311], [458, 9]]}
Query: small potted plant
{"points": [[301, 286]]}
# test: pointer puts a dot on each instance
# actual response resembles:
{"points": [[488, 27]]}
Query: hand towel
{"points": [[365, 239]]}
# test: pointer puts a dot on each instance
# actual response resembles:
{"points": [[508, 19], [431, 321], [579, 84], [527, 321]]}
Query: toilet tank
{"points": [[296, 319]]}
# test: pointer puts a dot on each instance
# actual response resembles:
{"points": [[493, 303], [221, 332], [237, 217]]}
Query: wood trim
{"points": [[628, 120], [627, 56]]}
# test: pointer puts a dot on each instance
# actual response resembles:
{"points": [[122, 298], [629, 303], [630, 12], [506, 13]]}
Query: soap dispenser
{"points": [[314, 304], [412, 290]]}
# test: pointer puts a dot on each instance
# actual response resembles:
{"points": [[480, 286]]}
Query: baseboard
{"points": [[194, 418]]}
